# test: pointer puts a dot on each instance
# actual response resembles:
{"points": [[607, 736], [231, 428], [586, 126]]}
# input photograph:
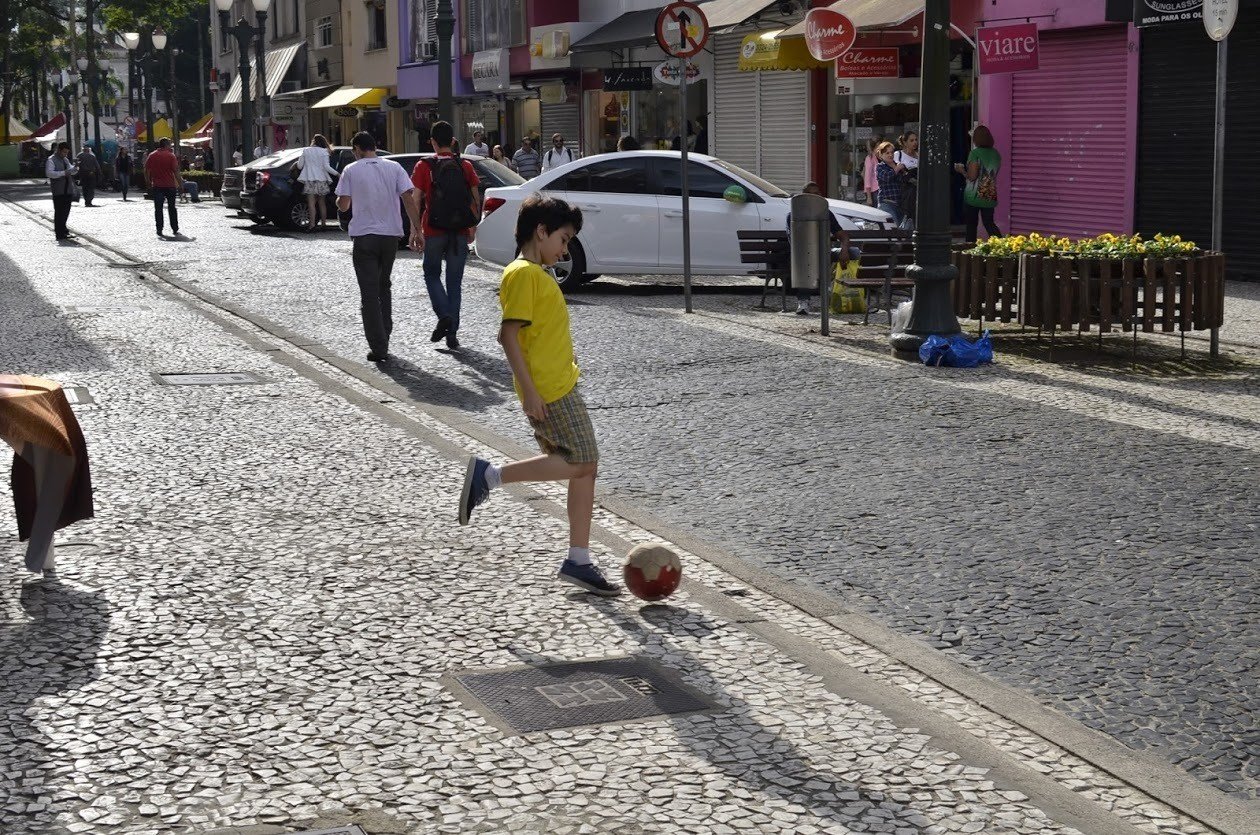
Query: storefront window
{"points": [[656, 115], [607, 120], [492, 24]]}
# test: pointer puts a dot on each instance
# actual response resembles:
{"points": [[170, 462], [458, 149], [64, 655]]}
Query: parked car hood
{"points": [[859, 211]]}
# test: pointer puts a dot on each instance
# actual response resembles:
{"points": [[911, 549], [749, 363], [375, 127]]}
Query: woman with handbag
{"points": [[891, 177], [60, 172], [315, 175]]}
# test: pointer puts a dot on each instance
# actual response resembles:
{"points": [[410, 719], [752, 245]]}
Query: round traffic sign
{"points": [[682, 30]]}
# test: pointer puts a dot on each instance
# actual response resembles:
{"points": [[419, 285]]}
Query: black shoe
{"points": [[443, 327], [375, 357], [452, 342], [160, 235]]}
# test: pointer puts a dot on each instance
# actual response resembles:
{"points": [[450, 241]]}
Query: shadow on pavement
{"points": [[488, 383], [51, 651], [38, 336]]}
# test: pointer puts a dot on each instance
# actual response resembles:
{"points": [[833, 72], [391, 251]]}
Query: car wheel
{"points": [[299, 216], [571, 272]]}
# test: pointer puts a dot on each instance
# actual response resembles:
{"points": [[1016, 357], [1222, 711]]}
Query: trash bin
{"points": [[811, 242]]}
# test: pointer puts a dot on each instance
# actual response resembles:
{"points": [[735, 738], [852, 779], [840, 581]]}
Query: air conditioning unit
{"points": [[429, 51]]}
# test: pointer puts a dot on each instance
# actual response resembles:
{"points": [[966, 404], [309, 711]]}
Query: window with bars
{"points": [[324, 32], [376, 24], [492, 24]]}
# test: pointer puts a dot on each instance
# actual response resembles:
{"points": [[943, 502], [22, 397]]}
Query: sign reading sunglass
{"points": [[618, 79], [1160, 12]]}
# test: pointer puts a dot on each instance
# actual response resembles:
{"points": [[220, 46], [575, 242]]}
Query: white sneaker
{"points": [[802, 308]]}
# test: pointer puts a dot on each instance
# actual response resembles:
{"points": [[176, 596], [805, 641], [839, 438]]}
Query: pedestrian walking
{"points": [[890, 175], [122, 170], [60, 172], [526, 160], [908, 150], [161, 169], [907, 155], [980, 195], [446, 186], [372, 185], [870, 185], [260, 150], [496, 153], [478, 146], [238, 156], [89, 171], [538, 343], [315, 166], [557, 154]]}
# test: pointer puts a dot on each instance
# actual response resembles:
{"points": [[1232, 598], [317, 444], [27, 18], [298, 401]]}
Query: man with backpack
{"points": [[451, 205], [557, 154]]}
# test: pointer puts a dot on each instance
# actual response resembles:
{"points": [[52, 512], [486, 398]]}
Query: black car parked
{"points": [[271, 191], [490, 174]]}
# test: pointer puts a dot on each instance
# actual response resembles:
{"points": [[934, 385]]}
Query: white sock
{"points": [[580, 556], [494, 476]]}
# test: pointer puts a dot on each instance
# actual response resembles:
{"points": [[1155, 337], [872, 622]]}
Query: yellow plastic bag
{"points": [[847, 300]]}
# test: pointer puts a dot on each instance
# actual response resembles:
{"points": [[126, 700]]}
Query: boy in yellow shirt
{"points": [[536, 339]]}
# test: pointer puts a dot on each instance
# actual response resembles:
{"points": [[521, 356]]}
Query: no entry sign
{"points": [[682, 30]]}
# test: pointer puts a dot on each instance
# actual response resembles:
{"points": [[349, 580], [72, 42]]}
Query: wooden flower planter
{"points": [[987, 287], [1059, 291]]}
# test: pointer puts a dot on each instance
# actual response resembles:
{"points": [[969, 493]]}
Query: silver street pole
{"points": [[686, 202], [1218, 171]]}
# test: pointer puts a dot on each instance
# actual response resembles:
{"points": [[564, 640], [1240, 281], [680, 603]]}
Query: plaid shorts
{"points": [[567, 430]]}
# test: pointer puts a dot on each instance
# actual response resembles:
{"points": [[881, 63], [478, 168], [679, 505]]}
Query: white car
{"points": [[631, 206]]}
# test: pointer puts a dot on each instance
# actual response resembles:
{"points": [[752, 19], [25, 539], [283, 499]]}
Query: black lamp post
{"points": [[243, 33], [93, 76], [932, 310], [445, 21], [260, 61], [140, 68]]}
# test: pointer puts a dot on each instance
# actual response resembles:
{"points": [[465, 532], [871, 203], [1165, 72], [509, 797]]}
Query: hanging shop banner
{"points": [[490, 70], [618, 79], [869, 62], [1012, 48], [1162, 12], [828, 34], [666, 72]]}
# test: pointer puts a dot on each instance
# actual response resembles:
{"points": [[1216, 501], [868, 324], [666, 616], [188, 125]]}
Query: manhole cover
{"points": [[226, 378], [552, 696], [77, 395]]}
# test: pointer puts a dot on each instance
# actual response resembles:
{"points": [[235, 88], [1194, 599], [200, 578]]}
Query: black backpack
{"points": [[450, 200]]}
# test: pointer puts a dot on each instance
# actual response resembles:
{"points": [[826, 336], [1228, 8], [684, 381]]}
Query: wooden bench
{"points": [[885, 255], [772, 250]]}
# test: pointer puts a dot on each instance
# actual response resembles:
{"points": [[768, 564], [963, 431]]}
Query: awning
{"points": [[277, 66], [629, 30], [161, 130], [353, 97], [202, 127], [867, 14], [49, 127], [17, 130], [727, 14], [763, 51], [305, 91]]}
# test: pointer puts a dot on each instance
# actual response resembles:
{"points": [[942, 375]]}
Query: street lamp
{"points": [[266, 137], [172, 116], [243, 33], [138, 67], [445, 21], [932, 311], [93, 75], [131, 40]]}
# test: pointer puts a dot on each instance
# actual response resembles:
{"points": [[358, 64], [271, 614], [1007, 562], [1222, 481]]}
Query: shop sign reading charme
{"points": [[1012, 48], [828, 34], [869, 62]]}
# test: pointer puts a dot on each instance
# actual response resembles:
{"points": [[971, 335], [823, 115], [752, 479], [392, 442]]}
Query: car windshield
{"points": [[769, 188], [500, 172]]}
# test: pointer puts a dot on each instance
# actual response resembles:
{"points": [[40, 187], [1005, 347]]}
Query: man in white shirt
{"points": [[60, 171], [557, 154], [260, 151], [372, 186], [478, 146]]}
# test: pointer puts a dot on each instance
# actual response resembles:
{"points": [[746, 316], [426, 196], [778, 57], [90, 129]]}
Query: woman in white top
{"points": [[315, 164], [909, 153]]}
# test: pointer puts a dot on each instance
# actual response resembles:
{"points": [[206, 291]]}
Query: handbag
{"points": [[847, 300]]}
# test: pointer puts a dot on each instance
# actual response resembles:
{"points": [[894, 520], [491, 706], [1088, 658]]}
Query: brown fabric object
{"points": [[34, 410]]}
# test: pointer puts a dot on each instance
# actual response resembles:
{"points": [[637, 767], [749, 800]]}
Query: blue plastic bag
{"points": [[956, 351]]}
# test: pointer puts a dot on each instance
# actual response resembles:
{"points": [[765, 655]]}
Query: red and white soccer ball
{"points": [[652, 572]]}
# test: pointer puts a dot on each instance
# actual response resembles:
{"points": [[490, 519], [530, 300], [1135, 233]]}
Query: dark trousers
{"points": [[61, 212], [124, 180], [972, 216], [167, 195], [88, 183], [373, 260]]}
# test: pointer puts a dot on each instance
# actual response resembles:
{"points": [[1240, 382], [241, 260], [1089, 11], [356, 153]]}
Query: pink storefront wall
{"points": [[995, 91]]}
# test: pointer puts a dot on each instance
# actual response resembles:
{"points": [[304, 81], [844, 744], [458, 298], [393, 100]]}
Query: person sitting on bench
{"points": [[842, 252]]}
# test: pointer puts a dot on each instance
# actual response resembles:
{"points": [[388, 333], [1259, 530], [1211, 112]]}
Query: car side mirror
{"points": [[735, 194]]}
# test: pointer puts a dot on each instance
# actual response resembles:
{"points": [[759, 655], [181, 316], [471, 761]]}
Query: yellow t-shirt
{"points": [[529, 294]]}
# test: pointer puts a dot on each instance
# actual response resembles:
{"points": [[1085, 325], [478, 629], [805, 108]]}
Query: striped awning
{"points": [[867, 14], [277, 66], [352, 97]]}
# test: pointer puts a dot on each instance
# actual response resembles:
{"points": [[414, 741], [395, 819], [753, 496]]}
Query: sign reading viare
{"points": [[1012, 48]]}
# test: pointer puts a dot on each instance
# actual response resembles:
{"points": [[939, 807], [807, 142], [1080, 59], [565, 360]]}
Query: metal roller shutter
{"points": [[761, 119], [1241, 242], [1070, 143], [562, 119], [733, 133]]}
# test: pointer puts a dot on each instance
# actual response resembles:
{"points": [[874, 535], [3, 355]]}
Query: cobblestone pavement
{"points": [[225, 602]]}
